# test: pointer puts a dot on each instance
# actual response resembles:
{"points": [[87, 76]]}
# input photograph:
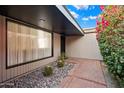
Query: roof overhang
{"points": [[67, 14], [52, 18]]}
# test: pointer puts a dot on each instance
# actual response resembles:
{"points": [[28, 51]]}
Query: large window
{"points": [[26, 44]]}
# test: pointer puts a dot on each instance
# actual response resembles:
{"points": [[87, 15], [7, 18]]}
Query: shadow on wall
{"points": [[75, 38]]}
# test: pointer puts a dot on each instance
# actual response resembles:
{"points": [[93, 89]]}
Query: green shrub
{"points": [[112, 50], [60, 63], [61, 58], [47, 71], [121, 82], [63, 55], [110, 35]]}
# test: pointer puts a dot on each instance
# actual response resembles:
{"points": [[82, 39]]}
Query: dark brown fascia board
{"points": [[73, 18]]}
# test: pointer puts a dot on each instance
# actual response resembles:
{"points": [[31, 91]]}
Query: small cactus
{"points": [[47, 71], [60, 63]]}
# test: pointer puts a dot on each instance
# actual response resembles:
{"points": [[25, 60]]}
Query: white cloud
{"points": [[85, 18], [81, 7], [92, 17], [89, 18], [75, 15]]}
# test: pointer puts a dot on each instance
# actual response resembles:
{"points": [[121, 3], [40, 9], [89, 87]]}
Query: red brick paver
{"points": [[85, 74]]}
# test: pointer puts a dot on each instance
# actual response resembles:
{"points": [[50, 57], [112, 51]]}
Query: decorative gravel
{"points": [[37, 80]]}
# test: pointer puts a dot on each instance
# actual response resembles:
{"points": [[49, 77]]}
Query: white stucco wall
{"points": [[83, 47]]}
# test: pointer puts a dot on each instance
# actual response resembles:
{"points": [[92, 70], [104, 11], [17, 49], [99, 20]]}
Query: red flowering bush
{"points": [[102, 7], [110, 35]]}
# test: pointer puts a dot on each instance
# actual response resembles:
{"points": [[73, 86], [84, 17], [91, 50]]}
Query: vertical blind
{"points": [[25, 44]]}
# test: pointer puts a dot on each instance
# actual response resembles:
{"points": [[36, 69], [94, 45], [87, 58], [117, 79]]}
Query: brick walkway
{"points": [[85, 74]]}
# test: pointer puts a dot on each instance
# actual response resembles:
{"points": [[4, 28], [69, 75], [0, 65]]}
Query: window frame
{"points": [[32, 26]]}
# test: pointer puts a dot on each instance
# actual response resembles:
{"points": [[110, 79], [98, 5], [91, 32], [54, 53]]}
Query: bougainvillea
{"points": [[102, 7], [110, 18], [110, 35]]}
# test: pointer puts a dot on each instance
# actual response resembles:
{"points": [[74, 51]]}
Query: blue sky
{"points": [[85, 14]]}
